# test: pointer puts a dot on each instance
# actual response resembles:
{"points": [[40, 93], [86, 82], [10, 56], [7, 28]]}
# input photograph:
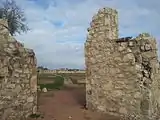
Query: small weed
{"points": [[34, 115]]}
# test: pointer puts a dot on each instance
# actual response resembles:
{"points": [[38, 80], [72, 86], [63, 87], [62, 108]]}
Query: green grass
{"points": [[58, 83], [73, 77], [46, 76], [34, 115]]}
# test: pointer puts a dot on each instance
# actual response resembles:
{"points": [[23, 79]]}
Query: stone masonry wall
{"points": [[18, 78], [122, 74]]}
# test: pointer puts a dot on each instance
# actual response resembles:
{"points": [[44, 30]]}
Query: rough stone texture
{"points": [[122, 74], [18, 78]]}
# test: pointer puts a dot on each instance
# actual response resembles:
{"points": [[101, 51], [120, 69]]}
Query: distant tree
{"points": [[42, 68], [15, 17], [45, 69]]}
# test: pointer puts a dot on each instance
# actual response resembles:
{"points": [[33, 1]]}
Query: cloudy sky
{"points": [[59, 27]]}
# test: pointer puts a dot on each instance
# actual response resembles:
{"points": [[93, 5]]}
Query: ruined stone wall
{"points": [[18, 78], [122, 76]]}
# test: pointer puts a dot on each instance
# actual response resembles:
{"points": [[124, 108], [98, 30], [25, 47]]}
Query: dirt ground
{"points": [[67, 104]]}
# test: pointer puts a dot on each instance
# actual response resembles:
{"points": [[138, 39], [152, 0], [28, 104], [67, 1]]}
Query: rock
{"points": [[123, 110], [142, 48], [44, 90], [137, 95], [147, 47], [138, 67], [33, 83], [30, 99], [18, 89], [121, 48], [34, 109], [128, 57], [70, 117], [131, 44], [146, 73], [11, 86], [38, 88]]}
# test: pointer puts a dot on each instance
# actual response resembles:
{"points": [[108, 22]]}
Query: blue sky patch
{"points": [[58, 24], [59, 27]]}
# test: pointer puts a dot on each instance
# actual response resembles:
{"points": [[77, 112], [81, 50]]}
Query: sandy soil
{"points": [[67, 104]]}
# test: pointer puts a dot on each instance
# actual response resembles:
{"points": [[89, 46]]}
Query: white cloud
{"points": [[63, 46]]}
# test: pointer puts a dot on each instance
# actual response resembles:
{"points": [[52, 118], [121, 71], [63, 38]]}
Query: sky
{"points": [[59, 27]]}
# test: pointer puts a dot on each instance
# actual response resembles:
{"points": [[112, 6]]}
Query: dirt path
{"points": [[67, 105]]}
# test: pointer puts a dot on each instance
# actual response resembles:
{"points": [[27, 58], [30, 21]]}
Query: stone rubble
{"points": [[122, 74], [44, 90], [18, 78]]}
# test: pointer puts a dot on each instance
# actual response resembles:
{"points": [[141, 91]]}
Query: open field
{"points": [[49, 78], [66, 103]]}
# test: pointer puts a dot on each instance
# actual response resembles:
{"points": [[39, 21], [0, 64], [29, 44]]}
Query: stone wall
{"points": [[122, 74], [18, 78]]}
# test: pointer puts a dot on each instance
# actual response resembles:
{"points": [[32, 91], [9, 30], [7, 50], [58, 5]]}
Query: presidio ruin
{"points": [[18, 78], [122, 74]]}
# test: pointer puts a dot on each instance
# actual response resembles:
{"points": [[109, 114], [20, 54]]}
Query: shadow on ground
{"points": [[78, 93]]}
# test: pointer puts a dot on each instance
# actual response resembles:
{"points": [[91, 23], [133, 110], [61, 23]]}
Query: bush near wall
{"points": [[57, 83]]}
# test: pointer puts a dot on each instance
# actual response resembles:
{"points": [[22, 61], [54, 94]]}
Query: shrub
{"points": [[57, 83]]}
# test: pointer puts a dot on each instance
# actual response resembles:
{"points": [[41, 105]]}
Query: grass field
{"points": [[56, 81]]}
